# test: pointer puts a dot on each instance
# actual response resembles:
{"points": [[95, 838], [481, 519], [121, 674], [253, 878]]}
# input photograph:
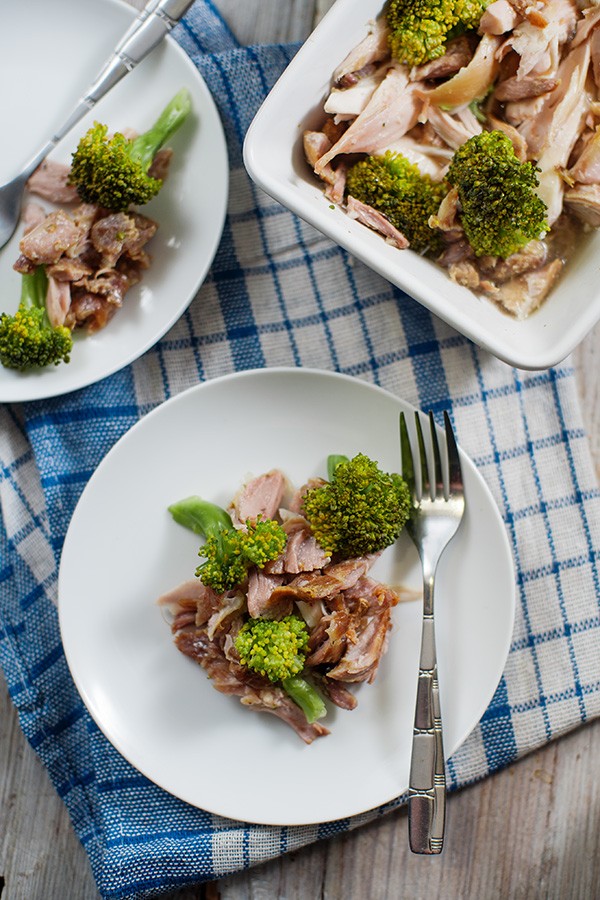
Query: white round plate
{"points": [[50, 53], [157, 707]]}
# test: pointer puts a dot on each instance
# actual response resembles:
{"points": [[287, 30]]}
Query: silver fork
{"points": [[153, 23], [438, 507]]}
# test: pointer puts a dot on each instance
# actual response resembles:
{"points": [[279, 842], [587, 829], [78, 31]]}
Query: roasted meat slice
{"points": [[255, 692]]}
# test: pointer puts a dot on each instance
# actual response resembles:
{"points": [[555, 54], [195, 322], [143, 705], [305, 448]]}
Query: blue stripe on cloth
{"points": [[497, 730], [279, 293]]}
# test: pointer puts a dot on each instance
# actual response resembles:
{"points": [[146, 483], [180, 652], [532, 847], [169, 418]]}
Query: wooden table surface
{"points": [[530, 831]]}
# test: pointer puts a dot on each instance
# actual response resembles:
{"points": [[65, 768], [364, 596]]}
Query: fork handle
{"points": [[427, 785], [153, 24]]}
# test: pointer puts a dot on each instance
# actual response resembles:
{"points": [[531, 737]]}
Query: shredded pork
{"points": [[532, 71], [92, 256], [347, 613]]}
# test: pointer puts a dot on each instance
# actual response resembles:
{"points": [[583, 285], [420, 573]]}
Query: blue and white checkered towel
{"points": [[280, 294]]}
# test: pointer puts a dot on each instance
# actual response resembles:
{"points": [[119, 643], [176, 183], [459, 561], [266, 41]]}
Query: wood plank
{"points": [[41, 857], [527, 832]]}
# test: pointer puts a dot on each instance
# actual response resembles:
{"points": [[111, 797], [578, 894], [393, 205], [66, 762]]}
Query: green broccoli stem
{"points": [[145, 147], [306, 697], [333, 461], [34, 287], [200, 516]]}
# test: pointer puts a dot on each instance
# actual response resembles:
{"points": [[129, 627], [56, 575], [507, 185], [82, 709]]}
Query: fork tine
{"points": [[439, 476], [425, 486], [408, 469], [455, 479]]}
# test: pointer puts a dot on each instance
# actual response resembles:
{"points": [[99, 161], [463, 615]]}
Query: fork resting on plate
{"points": [[438, 506]]}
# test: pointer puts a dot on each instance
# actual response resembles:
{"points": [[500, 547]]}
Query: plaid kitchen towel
{"points": [[277, 294]]}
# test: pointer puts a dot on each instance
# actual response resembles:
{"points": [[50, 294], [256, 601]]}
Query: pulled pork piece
{"points": [[454, 130], [33, 214], [327, 582], [254, 691], [50, 181], [23, 265], [515, 88], [159, 167], [67, 269], [586, 170], [301, 553], [191, 594], [47, 242], [531, 256], [373, 48], [459, 53], [94, 301], [471, 82], [583, 200], [261, 496], [371, 621], [392, 111], [375, 220], [337, 693], [465, 272], [522, 295], [146, 229], [111, 235], [349, 102], [58, 301], [498, 18], [260, 600]]}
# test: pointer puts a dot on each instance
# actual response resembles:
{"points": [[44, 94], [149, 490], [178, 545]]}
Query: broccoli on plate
{"points": [[500, 210], [228, 551], [395, 187], [419, 29], [360, 510], [27, 338], [276, 649], [113, 172]]}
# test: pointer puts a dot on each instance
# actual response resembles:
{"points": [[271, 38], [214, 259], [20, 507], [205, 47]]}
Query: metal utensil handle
{"points": [[155, 21], [427, 784]]}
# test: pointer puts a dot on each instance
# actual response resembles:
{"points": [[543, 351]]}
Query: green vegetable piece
{"points": [[275, 649], [394, 187], [200, 516], [419, 29], [333, 461], [228, 551], [306, 696], [112, 172], [225, 566], [27, 339], [263, 541], [360, 510], [500, 210]]}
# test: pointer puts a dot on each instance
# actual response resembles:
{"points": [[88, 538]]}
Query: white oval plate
{"points": [[50, 52], [158, 708]]}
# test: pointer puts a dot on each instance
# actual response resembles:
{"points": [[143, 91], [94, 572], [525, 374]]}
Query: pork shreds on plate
{"points": [[346, 611], [528, 70], [92, 256]]}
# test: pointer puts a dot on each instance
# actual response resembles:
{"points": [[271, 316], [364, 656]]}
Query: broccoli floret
{"points": [[419, 29], [395, 187], [277, 651], [500, 211], [27, 339], [112, 172], [228, 551], [360, 510]]}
